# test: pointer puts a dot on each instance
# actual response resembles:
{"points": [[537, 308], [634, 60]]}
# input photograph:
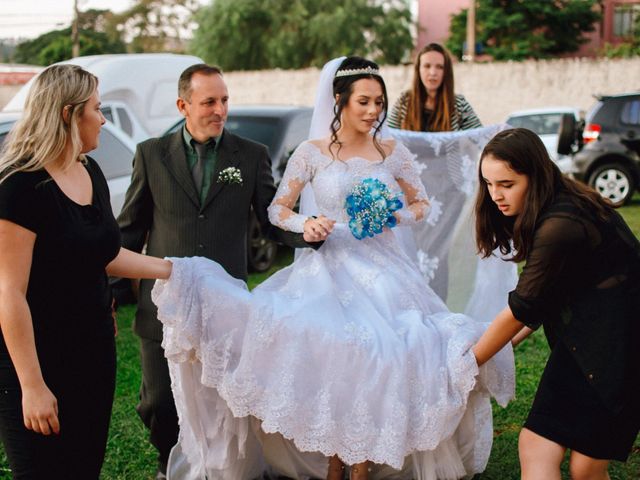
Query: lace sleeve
{"points": [[298, 172], [416, 203]]}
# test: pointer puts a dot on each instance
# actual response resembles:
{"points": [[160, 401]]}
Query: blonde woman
{"points": [[432, 105], [59, 241]]}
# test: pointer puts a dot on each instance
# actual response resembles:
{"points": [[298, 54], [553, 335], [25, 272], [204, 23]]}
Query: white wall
{"points": [[494, 89]]}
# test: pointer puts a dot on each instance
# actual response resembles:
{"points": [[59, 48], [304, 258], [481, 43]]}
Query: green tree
{"points": [[516, 29], [154, 25], [100, 20], [258, 34], [55, 46], [233, 33]]}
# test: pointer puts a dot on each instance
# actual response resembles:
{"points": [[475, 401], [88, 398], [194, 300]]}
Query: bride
{"points": [[346, 357]]}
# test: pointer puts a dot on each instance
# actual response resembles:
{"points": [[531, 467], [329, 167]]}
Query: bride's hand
{"points": [[317, 229]]}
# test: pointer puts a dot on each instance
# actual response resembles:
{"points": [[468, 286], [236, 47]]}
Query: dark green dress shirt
{"points": [[209, 162]]}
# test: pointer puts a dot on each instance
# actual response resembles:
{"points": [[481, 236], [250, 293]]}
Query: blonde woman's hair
{"points": [[42, 134]]}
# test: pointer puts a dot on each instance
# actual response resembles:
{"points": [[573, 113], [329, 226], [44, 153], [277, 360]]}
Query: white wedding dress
{"points": [[347, 351]]}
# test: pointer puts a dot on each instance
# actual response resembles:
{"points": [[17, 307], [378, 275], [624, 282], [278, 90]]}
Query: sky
{"points": [[30, 18]]}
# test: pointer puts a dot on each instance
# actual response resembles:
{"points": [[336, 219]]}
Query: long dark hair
{"points": [[445, 109], [525, 153], [343, 86]]}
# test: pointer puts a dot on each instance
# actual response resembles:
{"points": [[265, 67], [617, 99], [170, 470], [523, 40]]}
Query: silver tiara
{"points": [[358, 71]]}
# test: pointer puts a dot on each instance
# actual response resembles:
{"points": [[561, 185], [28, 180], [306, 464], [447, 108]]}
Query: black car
{"points": [[281, 130], [606, 150]]}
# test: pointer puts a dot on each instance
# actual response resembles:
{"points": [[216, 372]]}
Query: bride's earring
{"points": [[360, 471], [336, 469]]}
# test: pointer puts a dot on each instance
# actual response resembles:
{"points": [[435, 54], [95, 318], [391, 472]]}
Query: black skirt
{"points": [[568, 411]]}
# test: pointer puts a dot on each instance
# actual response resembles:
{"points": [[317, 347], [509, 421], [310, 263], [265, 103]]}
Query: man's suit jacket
{"points": [[162, 208]]}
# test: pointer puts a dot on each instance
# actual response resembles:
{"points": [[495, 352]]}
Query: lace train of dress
{"points": [[347, 351]]}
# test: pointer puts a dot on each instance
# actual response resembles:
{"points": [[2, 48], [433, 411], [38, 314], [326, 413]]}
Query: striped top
{"points": [[463, 119]]}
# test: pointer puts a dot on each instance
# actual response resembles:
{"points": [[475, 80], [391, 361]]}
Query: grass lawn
{"points": [[130, 456]]}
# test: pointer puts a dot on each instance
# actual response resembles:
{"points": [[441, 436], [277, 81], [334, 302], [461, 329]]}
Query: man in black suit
{"points": [[191, 194]]}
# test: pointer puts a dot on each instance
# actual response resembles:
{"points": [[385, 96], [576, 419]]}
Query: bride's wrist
{"points": [[306, 221]]}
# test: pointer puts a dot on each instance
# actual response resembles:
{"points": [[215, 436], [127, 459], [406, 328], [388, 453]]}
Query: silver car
{"points": [[545, 122], [114, 155]]}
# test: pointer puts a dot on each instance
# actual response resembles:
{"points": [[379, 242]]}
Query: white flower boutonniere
{"points": [[230, 175]]}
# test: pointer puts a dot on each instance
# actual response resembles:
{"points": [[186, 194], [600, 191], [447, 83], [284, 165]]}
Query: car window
{"points": [[108, 113], [631, 113], [298, 131], [5, 128], [594, 111], [258, 129], [125, 121], [113, 156], [541, 124]]}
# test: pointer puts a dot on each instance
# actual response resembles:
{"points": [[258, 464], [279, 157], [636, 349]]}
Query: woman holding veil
{"points": [[346, 359]]}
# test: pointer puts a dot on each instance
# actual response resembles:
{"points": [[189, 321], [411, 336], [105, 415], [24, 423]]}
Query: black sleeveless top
{"points": [[68, 292], [581, 281]]}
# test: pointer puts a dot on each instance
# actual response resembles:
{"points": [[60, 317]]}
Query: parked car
{"points": [[545, 122], [281, 130], [145, 82], [114, 155], [123, 117], [607, 148]]}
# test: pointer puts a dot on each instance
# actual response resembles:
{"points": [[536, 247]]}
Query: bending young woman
{"points": [[432, 105], [59, 241], [581, 282]]}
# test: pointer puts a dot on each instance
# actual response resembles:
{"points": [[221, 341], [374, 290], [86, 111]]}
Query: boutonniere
{"points": [[230, 175]]}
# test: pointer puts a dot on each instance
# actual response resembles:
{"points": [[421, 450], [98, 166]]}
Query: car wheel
{"points": [[613, 181], [260, 250]]}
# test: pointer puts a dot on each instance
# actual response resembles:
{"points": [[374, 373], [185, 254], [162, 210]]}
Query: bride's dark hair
{"points": [[343, 86]]}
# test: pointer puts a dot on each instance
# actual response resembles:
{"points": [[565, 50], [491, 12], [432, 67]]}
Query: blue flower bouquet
{"points": [[370, 207]]}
